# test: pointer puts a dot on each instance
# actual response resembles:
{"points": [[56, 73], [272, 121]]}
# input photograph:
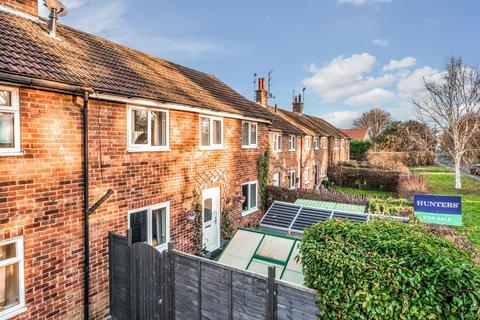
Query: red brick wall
{"points": [[41, 192], [27, 6], [285, 160]]}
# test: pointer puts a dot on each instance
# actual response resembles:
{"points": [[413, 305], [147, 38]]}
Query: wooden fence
{"points": [[146, 284]]}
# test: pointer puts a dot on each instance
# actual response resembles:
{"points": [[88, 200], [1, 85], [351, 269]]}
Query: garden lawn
{"points": [[442, 182], [370, 193]]}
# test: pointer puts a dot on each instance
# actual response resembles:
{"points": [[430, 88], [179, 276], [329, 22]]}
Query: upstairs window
{"points": [[324, 143], [151, 225], [276, 179], [147, 129], [336, 144], [249, 191], [277, 142], [211, 133], [12, 286], [307, 142], [9, 120], [249, 134], [316, 144], [292, 143]]}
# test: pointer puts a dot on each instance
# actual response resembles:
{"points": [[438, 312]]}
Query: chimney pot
{"points": [[261, 95]]}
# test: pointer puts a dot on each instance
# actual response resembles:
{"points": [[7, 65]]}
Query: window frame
{"points": [[277, 141], [316, 144], [211, 146], [307, 175], [308, 142], [294, 182], [20, 260], [252, 209], [324, 143], [131, 147], [14, 109], [250, 145], [273, 179], [292, 140], [149, 210]]}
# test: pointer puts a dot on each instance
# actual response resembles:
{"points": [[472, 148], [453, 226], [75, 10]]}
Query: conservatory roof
{"points": [[331, 205]]}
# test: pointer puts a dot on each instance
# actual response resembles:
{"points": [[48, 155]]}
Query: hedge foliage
{"points": [[391, 207], [388, 270], [364, 178], [359, 148]]}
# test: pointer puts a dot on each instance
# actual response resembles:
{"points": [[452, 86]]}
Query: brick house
{"points": [[83, 119], [303, 146]]}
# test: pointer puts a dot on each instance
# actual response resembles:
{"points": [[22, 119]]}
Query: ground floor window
{"points": [[249, 191], [307, 175], [151, 225], [276, 179], [293, 178], [12, 287]]}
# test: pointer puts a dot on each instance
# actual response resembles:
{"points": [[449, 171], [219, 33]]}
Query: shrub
{"points": [[364, 178], [391, 207], [392, 161], [351, 164], [358, 148], [409, 184], [388, 270]]}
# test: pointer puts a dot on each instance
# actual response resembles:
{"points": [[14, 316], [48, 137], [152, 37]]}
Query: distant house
{"points": [[362, 134]]}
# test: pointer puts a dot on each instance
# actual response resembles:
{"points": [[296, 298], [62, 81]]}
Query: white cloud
{"points": [[400, 64], [413, 84], [381, 42], [345, 77], [373, 97], [362, 2], [341, 119]]}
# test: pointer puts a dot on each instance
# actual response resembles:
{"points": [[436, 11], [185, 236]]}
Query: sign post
{"points": [[446, 210]]}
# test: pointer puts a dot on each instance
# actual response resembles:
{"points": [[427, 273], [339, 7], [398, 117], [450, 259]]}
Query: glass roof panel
{"points": [[277, 248], [261, 267], [331, 205], [241, 249]]}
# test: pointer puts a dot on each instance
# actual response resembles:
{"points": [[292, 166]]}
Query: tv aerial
{"points": [[57, 9]]}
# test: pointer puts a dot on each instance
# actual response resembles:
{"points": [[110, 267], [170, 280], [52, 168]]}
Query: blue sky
{"points": [[351, 55]]}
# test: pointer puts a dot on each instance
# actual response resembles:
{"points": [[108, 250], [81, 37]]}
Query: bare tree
{"points": [[376, 120], [452, 104]]}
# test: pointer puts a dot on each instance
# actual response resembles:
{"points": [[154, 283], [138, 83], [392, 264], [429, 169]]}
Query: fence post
{"points": [[270, 304], [129, 237], [168, 294]]}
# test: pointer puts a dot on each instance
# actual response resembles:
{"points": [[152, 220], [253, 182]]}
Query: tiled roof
{"points": [[283, 125], [83, 59], [327, 127], [356, 133]]}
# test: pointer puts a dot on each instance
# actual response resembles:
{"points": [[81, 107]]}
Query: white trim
{"points": [[18, 259], [290, 142], [250, 145], [14, 109], [147, 147], [255, 208], [205, 193], [292, 185], [308, 142], [276, 183], [149, 210], [277, 140], [174, 106], [212, 146], [307, 175], [316, 142]]}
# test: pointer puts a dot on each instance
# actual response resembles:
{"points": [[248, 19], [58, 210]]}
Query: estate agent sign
{"points": [[445, 210]]}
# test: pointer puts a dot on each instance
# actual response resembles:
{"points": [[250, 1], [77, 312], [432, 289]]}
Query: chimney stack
{"points": [[261, 95], [29, 7], [298, 104]]}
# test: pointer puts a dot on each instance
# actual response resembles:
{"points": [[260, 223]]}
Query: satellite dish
{"points": [[55, 5]]}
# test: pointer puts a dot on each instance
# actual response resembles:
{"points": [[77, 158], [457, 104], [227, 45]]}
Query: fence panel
{"points": [[295, 303], [119, 266]]}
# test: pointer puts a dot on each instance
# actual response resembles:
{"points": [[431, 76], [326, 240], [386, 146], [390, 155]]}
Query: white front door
{"points": [[211, 218]]}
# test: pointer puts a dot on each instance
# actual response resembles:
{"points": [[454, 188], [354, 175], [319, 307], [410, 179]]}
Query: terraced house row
{"points": [[97, 137]]}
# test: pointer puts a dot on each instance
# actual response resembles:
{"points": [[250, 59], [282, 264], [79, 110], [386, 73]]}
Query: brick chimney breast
{"points": [[261, 95], [26, 6], [298, 104]]}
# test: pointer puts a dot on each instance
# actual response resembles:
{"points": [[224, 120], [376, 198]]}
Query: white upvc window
{"points": [[277, 142], [293, 179], [148, 129], [151, 225], [249, 134], [250, 192], [292, 143], [336, 144], [276, 179], [316, 143], [324, 142], [211, 133], [323, 170], [12, 282], [308, 142], [307, 175], [9, 121]]}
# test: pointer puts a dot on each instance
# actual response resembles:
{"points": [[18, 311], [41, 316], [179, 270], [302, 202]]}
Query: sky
{"points": [[349, 55]]}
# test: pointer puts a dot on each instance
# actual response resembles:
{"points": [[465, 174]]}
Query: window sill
{"points": [[292, 150], [212, 148], [11, 153], [7, 314], [249, 211], [163, 149], [250, 147]]}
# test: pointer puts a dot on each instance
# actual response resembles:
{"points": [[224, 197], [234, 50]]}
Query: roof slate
{"points": [[83, 59]]}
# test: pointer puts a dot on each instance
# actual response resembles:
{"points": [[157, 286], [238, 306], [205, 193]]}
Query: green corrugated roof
{"points": [[331, 205]]}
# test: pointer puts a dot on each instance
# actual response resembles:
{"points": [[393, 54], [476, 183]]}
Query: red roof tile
{"points": [[356, 133]]}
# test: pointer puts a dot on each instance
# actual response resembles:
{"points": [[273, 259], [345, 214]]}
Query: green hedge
{"points": [[364, 178], [388, 270], [359, 148]]}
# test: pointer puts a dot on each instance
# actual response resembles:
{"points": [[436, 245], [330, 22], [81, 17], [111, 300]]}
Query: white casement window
{"points": [[323, 171], [276, 179], [292, 177], [151, 225], [250, 192], [307, 175], [316, 144], [12, 284], [292, 143], [277, 142], [324, 142], [9, 121], [148, 129], [336, 144], [249, 134], [211, 133], [307, 142]]}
